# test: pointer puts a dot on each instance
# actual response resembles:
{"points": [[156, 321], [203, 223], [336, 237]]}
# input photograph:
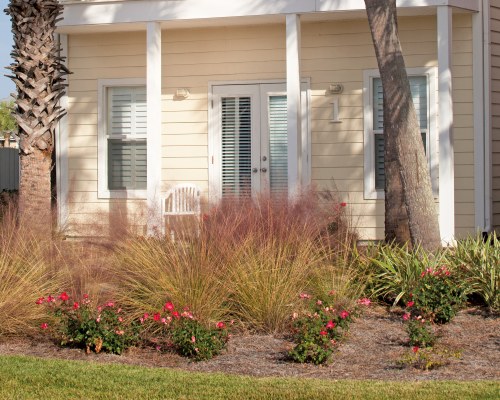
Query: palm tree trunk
{"points": [[38, 72]]}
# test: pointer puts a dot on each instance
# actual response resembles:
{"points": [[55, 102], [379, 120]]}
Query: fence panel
{"points": [[9, 169]]}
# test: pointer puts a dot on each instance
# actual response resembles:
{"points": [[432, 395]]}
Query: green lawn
{"points": [[32, 378]]}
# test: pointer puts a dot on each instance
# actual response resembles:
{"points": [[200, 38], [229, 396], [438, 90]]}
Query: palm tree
{"points": [[38, 73]]}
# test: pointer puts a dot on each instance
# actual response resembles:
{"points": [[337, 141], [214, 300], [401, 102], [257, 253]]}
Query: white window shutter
{"points": [[278, 144], [236, 146]]}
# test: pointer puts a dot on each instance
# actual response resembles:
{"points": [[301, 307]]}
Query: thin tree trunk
{"points": [[408, 185]]}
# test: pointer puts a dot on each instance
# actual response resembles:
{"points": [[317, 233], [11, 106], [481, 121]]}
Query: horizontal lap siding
{"points": [[335, 51], [495, 111], [463, 131], [193, 58], [92, 57], [340, 52]]}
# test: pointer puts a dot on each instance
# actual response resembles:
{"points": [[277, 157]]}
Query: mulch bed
{"points": [[376, 341]]}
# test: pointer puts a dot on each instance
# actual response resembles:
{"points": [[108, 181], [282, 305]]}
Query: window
{"points": [[122, 139], [422, 85]]}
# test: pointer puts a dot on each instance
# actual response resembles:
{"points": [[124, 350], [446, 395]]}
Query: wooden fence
{"points": [[9, 169]]}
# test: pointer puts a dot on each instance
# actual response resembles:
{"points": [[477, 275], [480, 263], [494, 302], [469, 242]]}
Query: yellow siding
{"points": [[495, 111], [336, 51]]}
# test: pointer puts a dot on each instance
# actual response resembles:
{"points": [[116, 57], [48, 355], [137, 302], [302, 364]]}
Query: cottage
{"points": [[272, 96]]}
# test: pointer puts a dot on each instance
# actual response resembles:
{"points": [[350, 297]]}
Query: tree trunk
{"points": [[38, 73], [409, 202], [35, 202]]}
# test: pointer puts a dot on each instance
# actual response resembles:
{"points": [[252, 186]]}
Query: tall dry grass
{"points": [[27, 271], [248, 260]]}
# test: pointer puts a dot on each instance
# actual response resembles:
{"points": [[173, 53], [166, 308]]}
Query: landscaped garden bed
{"points": [[262, 289]]}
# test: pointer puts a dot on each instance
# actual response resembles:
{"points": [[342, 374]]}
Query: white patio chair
{"points": [[181, 200]]}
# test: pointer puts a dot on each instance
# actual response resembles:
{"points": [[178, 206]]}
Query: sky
{"points": [[6, 85]]}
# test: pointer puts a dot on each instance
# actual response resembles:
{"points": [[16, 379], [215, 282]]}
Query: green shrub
{"points": [[94, 328], [437, 295], [478, 261], [420, 332], [317, 332], [182, 332]]}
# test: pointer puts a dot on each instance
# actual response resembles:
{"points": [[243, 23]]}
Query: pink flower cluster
{"points": [[438, 272]]}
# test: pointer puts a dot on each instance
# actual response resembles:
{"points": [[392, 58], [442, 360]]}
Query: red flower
{"points": [[415, 349], [330, 325], [50, 299], [168, 306], [406, 316], [157, 316], [344, 314], [76, 306], [410, 304], [64, 296], [221, 325], [323, 333], [145, 316], [176, 314], [44, 325], [40, 300], [304, 296]]}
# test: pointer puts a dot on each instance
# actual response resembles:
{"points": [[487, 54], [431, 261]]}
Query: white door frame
{"points": [[214, 127]]}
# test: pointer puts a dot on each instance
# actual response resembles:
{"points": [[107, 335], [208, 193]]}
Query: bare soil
{"points": [[375, 343]]}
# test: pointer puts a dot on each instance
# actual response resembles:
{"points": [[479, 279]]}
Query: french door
{"points": [[250, 144]]}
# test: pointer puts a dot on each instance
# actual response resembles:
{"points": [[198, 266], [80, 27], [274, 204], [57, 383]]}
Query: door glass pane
{"points": [[278, 144], [236, 146]]}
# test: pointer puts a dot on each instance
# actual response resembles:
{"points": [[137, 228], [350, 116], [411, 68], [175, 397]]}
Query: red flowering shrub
{"points": [[81, 324], [182, 332], [318, 331]]}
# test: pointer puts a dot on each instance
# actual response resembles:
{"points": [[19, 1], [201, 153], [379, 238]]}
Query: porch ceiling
{"points": [[119, 16]]}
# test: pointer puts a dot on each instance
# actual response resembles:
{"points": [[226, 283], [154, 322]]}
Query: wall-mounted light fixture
{"points": [[336, 88], [182, 93]]}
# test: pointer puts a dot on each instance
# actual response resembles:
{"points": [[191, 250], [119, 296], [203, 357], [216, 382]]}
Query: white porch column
{"points": [[62, 167], [293, 103], [153, 87], [445, 122], [482, 116]]}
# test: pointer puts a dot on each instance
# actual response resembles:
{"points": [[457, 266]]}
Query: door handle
{"points": [[263, 169]]}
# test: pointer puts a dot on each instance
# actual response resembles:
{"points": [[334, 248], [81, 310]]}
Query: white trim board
{"points": [[111, 12]]}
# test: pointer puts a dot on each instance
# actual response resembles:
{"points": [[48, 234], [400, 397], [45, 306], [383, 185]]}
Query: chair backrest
{"points": [[182, 199]]}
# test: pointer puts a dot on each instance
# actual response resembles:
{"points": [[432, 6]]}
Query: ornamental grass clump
{"points": [[395, 270], [246, 260], [477, 260], [272, 249], [27, 267], [191, 274]]}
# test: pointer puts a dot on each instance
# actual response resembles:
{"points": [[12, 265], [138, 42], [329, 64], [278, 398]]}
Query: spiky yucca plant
{"points": [[38, 73]]}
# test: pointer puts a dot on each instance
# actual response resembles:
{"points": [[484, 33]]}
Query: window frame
{"points": [[103, 190], [370, 192]]}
